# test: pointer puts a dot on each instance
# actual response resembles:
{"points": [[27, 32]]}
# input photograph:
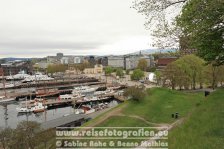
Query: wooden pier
{"points": [[75, 101]]}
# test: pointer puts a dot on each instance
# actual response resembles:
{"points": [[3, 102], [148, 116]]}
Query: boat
{"points": [[66, 97], [38, 107], [4, 99], [37, 77], [24, 109], [20, 76], [83, 89], [47, 92], [87, 109]]}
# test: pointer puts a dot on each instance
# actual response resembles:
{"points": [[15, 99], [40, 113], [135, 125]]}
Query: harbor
{"points": [[56, 100]]}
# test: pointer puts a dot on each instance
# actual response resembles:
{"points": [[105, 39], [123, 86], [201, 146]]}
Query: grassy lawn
{"points": [[158, 106], [121, 121], [203, 125], [204, 128]]}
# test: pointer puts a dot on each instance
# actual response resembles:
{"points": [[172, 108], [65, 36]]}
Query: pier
{"points": [[75, 101], [73, 120], [54, 83]]}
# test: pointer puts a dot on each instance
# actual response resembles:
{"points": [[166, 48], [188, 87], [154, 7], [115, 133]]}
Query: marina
{"points": [[49, 104]]}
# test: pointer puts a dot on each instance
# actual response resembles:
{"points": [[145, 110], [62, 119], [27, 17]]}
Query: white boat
{"points": [[79, 111], [90, 111], [66, 97], [37, 77], [24, 109], [4, 99], [38, 107], [21, 75], [83, 89]]}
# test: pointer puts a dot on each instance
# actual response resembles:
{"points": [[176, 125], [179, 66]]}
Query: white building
{"points": [[64, 60], [116, 61], [77, 60]]}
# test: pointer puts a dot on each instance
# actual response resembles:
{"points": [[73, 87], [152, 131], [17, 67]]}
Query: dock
{"points": [[53, 83], [72, 120], [75, 101]]}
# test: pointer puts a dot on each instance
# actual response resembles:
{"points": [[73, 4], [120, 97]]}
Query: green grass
{"points": [[204, 129], [121, 121], [158, 106]]}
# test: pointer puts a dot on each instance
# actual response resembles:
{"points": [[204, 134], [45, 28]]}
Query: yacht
{"points": [[37, 77], [83, 89]]}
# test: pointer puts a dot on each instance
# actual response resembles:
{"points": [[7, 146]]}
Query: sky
{"points": [[37, 28]]}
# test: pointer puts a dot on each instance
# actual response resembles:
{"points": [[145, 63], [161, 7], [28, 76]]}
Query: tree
{"points": [[184, 72], [158, 75], [56, 68], [201, 22], [193, 67], [5, 137], [135, 93], [160, 20], [137, 74], [214, 74], [108, 70], [142, 64], [119, 72], [175, 75]]}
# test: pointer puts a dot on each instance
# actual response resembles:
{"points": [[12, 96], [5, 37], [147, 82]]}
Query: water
{"points": [[9, 117], [14, 118]]}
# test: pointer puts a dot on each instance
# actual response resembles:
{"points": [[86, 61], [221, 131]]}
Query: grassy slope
{"points": [[120, 121], [204, 128], [161, 103]]}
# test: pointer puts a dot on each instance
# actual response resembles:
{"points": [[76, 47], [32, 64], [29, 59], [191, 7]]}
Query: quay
{"points": [[53, 83], [72, 120], [76, 101], [18, 95]]}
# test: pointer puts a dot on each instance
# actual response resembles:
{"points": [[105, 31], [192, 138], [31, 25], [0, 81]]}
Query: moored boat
{"points": [[4, 99]]}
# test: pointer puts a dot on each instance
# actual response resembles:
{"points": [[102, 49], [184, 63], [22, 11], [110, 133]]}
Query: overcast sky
{"points": [[37, 28]]}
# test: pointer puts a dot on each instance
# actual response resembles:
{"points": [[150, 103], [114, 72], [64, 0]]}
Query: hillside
{"points": [[201, 118], [204, 129]]}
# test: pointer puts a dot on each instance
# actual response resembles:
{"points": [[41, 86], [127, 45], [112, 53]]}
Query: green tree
{"points": [[201, 22], [184, 72], [119, 72], [214, 74], [135, 93], [108, 70], [142, 64], [175, 75], [56, 68], [137, 74], [193, 68], [158, 75]]}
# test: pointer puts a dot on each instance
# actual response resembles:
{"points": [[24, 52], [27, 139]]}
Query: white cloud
{"points": [[31, 28]]}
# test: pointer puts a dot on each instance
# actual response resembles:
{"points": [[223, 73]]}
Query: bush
{"points": [[137, 74], [135, 93]]}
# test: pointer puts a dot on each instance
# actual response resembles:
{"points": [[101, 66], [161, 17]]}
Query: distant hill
{"points": [[152, 51], [15, 59]]}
